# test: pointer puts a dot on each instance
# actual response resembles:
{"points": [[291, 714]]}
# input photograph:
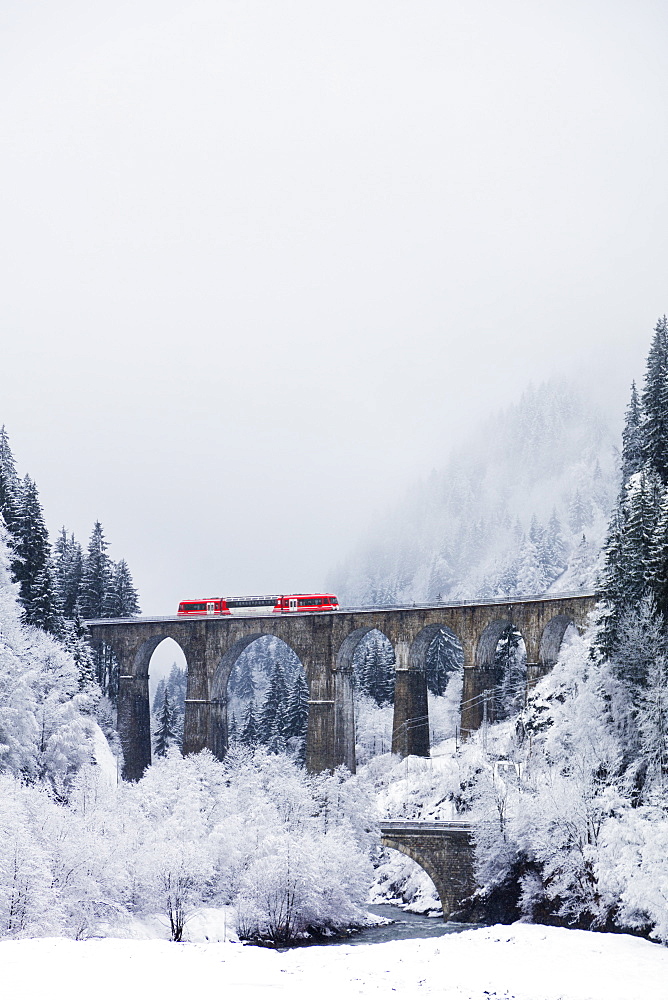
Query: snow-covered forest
{"points": [[522, 508], [565, 791]]}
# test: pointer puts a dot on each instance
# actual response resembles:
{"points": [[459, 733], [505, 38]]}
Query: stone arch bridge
{"points": [[325, 643]]}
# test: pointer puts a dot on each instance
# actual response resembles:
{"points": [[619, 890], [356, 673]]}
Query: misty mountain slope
{"points": [[521, 509]]}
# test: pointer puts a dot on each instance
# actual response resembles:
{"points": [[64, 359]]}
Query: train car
{"points": [[207, 606], [305, 602], [278, 603]]}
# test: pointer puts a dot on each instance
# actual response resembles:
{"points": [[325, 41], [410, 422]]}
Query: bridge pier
{"points": [[134, 724], [410, 727]]}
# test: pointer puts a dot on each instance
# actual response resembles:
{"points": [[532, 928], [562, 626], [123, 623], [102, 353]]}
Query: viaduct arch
{"points": [[325, 643]]}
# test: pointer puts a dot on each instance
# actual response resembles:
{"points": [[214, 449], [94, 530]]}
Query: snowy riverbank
{"points": [[518, 962]]}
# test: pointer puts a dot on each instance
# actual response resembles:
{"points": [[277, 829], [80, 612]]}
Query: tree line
{"points": [[59, 586]]}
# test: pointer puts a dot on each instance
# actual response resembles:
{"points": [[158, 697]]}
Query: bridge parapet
{"points": [[444, 849]]}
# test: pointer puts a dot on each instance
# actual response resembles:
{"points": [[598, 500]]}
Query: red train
{"points": [[279, 603]]}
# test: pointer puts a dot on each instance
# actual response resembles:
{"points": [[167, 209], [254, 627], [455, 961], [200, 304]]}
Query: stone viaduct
{"points": [[325, 643]]}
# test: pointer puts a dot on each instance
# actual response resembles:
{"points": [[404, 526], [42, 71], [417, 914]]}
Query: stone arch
{"points": [[443, 850], [417, 656], [482, 695], [489, 640], [345, 714], [346, 651], [417, 659], [134, 707], [142, 656], [219, 723], [420, 858], [552, 638]]}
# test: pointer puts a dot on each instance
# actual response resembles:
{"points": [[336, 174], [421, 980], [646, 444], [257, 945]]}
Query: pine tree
{"points": [[244, 686], [232, 735], [443, 657], [44, 609], [177, 683], [297, 719], [32, 568], [9, 483], [581, 564], [76, 643], [251, 732], [652, 719], [530, 575], [69, 571], [96, 579], [166, 735], [553, 557], [632, 438], [273, 718], [655, 403], [580, 513], [657, 570], [159, 695], [121, 599]]}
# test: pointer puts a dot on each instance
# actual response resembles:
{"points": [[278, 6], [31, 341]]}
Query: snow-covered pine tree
{"points": [[32, 564], [159, 696], [177, 683], [655, 403], [581, 563], [554, 557], [632, 438], [530, 575], [510, 664], [9, 483], [232, 729], [580, 514], [97, 575], [69, 571], [121, 599], [44, 609], [298, 708], [250, 734], [166, 735], [244, 684], [274, 715], [443, 657]]}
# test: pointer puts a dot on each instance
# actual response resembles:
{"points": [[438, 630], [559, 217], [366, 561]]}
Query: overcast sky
{"points": [[263, 263]]}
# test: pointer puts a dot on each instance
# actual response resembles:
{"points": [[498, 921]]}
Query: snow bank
{"points": [[522, 962]]}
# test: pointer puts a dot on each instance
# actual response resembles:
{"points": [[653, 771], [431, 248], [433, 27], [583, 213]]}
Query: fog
{"points": [[264, 263]]}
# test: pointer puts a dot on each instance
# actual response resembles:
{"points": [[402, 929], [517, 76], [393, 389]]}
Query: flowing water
{"points": [[404, 925]]}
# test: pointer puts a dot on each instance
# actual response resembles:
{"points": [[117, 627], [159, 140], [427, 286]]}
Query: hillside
{"points": [[521, 509]]}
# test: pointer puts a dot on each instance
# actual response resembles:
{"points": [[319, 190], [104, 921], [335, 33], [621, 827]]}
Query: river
{"points": [[404, 925]]}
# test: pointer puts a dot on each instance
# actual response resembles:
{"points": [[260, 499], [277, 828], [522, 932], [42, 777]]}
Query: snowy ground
{"points": [[520, 962]]}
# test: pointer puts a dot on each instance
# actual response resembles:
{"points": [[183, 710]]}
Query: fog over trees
{"points": [[522, 509]]}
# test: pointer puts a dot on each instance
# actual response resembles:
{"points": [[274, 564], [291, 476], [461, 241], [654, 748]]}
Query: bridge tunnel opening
{"points": [[167, 671], [267, 697]]}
